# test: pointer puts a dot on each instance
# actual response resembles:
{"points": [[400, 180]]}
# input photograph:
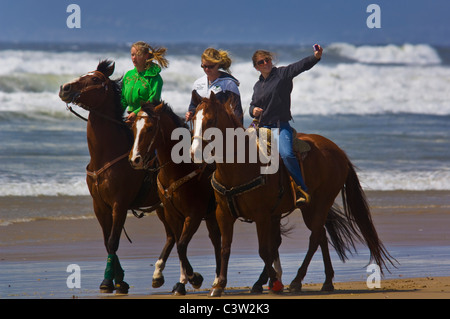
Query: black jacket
{"points": [[273, 94]]}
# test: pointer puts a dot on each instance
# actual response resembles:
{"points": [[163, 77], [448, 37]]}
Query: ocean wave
{"points": [[31, 82], [12, 220], [74, 187], [378, 79], [419, 54], [405, 181], [370, 180]]}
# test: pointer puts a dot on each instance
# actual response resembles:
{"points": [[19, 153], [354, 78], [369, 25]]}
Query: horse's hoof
{"points": [[122, 288], [179, 289], [196, 280], [107, 286], [327, 287], [276, 287], [158, 282], [216, 292], [257, 289], [295, 287]]}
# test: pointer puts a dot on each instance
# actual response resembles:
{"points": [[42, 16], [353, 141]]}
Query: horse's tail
{"points": [[359, 219], [341, 233]]}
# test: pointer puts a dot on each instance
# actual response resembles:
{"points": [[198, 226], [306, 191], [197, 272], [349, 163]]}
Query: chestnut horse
{"points": [[327, 171], [114, 185], [184, 187]]}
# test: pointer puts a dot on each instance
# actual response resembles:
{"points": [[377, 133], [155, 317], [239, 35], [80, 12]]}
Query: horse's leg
{"points": [[314, 222], [104, 217], [158, 277], [268, 245], [118, 221], [226, 224], [264, 277], [296, 284], [317, 238], [257, 287], [275, 241], [329, 272], [214, 235], [189, 228]]}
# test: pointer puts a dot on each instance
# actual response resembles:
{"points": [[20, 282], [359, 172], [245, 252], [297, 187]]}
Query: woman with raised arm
{"points": [[271, 104]]}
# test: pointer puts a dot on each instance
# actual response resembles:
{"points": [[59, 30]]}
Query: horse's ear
{"points": [[110, 69], [159, 107], [212, 97], [106, 67], [196, 98]]}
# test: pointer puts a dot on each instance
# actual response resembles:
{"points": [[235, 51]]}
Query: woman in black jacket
{"points": [[271, 104]]}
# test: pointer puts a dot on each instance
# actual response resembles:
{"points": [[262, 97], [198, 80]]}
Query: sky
{"points": [[226, 21]]}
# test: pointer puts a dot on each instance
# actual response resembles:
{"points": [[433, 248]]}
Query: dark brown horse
{"points": [[184, 187], [242, 192], [114, 185]]}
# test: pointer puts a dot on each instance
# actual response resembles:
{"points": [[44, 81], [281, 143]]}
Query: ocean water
{"points": [[387, 106]]}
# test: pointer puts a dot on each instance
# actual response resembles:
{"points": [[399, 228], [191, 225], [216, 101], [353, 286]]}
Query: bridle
{"points": [[200, 137], [148, 159], [102, 85]]}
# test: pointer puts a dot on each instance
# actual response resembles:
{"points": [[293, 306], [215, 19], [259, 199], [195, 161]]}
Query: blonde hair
{"points": [[219, 57], [156, 54]]}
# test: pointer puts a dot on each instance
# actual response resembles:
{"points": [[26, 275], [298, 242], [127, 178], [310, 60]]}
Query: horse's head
{"points": [[210, 113], [145, 129], [90, 90]]}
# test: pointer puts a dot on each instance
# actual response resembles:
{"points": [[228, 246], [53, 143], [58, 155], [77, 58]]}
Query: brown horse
{"points": [[327, 171], [114, 185], [184, 187]]}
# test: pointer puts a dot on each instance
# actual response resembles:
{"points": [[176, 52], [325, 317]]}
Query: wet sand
{"points": [[413, 226]]}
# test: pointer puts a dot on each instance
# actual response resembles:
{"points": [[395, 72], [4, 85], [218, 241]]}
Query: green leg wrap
{"points": [[110, 269]]}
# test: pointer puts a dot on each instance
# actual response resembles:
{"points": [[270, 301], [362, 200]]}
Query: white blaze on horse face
{"points": [[140, 123], [196, 147]]}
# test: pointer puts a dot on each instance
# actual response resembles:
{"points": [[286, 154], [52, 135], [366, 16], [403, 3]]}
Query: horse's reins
{"points": [[231, 193], [148, 161], [103, 85]]}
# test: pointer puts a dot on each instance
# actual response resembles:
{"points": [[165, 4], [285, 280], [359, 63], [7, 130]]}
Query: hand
{"points": [[130, 118], [257, 111], [318, 54], [188, 116]]}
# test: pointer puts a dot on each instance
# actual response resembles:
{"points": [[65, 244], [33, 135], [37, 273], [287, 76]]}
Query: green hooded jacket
{"points": [[141, 87]]}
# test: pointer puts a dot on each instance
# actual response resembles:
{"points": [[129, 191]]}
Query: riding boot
{"points": [[302, 197]]}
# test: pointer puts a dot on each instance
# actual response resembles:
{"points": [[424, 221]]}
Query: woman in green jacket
{"points": [[143, 83]]}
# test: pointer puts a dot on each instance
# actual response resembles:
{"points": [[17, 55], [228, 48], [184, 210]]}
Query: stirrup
{"points": [[302, 197]]}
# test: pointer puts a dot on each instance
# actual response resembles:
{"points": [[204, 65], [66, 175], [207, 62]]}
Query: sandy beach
{"points": [[35, 255]]}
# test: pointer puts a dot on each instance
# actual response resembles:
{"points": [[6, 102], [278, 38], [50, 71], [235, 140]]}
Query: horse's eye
{"points": [[149, 129]]}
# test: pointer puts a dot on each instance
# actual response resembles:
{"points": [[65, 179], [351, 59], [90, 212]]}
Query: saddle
{"points": [[300, 147]]}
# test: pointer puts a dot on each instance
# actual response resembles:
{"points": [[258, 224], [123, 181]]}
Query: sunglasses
{"points": [[204, 66], [263, 61]]}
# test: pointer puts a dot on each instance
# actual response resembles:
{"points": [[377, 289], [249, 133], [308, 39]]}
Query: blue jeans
{"points": [[284, 141]]}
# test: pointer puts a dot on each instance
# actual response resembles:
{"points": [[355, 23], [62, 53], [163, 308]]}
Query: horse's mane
{"points": [[229, 108], [116, 86], [149, 108]]}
